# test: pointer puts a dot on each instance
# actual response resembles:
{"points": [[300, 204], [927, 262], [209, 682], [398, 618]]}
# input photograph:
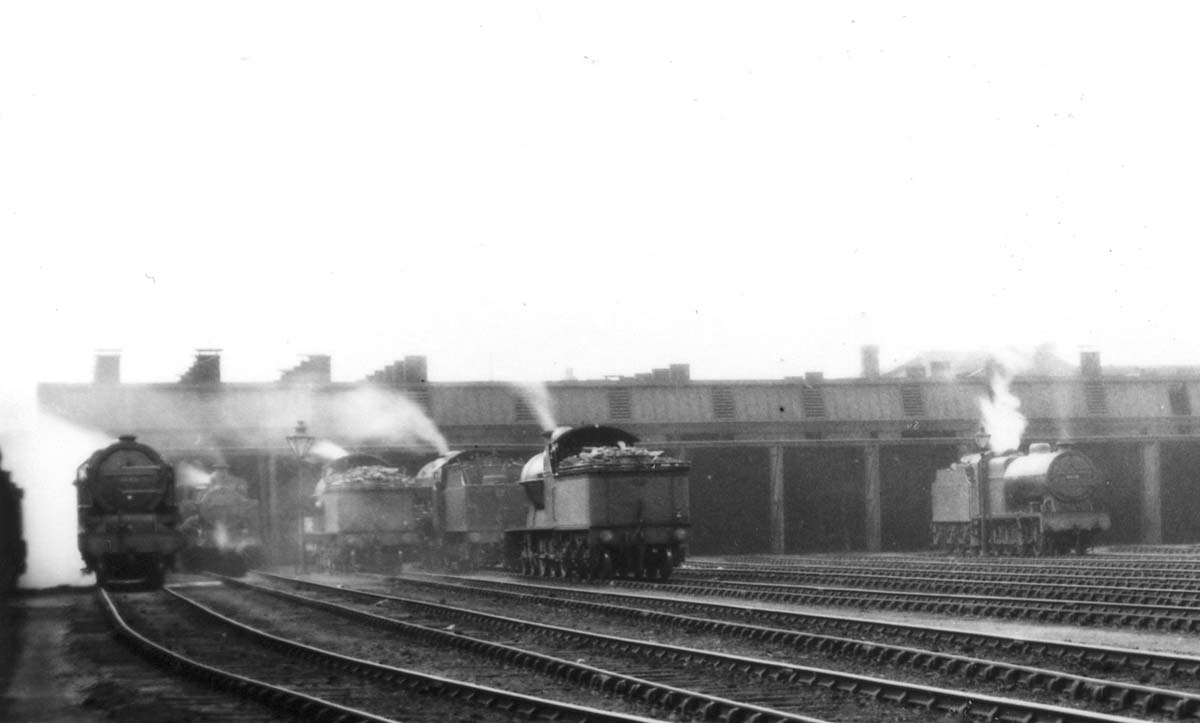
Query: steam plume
{"points": [[327, 450], [537, 396], [42, 452], [369, 412], [1001, 417], [188, 474]]}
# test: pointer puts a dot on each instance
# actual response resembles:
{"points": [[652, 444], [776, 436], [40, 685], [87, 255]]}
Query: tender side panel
{"points": [[375, 511], [640, 498], [484, 508]]}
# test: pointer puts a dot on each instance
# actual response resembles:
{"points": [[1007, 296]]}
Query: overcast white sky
{"points": [[512, 189]]}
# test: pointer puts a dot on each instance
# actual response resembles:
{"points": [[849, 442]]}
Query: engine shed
{"points": [[801, 464]]}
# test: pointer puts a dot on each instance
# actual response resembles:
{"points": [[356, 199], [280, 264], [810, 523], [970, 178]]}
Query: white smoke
{"points": [[43, 452], [1001, 416], [537, 397], [189, 474], [327, 450], [382, 414]]}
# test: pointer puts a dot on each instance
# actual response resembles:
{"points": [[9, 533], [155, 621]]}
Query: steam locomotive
{"points": [[12, 541], [128, 518], [598, 506], [368, 513], [1046, 502], [222, 527], [476, 496]]}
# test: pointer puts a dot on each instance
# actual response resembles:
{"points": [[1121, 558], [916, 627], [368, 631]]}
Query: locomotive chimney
{"points": [[108, 367], [870, 361], [1089, 363]]}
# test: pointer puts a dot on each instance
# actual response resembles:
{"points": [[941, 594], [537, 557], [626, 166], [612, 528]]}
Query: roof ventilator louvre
{"points": [[912, 400], [524, 413], [420, 397], [620, 403], [722, 403], [1095, 397], [812, 401]]}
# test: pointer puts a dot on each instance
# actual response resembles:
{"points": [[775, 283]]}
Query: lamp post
{"points": [[300, 441], [983, 442]]}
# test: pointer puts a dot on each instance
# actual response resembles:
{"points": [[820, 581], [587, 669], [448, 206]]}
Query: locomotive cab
{"points": [[476, 496], [1044, 502]]}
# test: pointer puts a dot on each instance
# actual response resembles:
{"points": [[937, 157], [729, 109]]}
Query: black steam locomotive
{"points": [[12, 541], [1046, 502], [368, 514], [222, 526], [128, 519], [599, 506], [476, 497]]}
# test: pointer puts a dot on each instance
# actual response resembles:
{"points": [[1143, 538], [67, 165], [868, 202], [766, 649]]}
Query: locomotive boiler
{"points": [[12, 540], [599, 506], [369, 514], [128, 518], [1049, 501], [476, 497], [222, 526]]}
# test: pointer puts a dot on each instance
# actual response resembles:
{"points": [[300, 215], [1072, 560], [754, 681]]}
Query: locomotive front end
{"points": [[127, 514]]}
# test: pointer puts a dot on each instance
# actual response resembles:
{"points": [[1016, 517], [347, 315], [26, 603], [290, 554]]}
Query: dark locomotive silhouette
{"points": [[1046, 502], [128, 518], [369, 513], [12, 540], [476, 497], [222, 526]]}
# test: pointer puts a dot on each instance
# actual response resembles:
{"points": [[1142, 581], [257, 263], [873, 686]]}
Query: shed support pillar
{"points": [[776, 531], [1152, 532], [871, 485]]}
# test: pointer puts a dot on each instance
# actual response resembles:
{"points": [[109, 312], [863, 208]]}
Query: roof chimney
{"points": [[313, 369], [1089, 363], [939, 369], [108, 367], [206, 369], [680, 372], [870, 361]]}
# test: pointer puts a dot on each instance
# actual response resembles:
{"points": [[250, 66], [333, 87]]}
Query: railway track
{"points": [[307, 682], [1151, 615], [832, 574], [1102, 696], [1179, 600], [1132, 565], [527, 664]]}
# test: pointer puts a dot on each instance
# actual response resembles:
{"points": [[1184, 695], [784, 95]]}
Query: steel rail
{"points": [[899, 582], [1163, 617], [312, 708], [1135, 660], [273, 696], [1181, 583], [1130, 564], [664, 696], [1145, 698]]}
